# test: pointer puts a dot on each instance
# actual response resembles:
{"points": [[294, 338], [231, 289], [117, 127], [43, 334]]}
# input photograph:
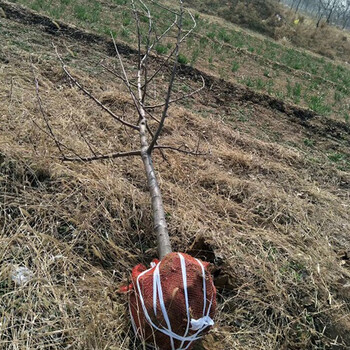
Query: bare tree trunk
{"points": [[160, 225]]}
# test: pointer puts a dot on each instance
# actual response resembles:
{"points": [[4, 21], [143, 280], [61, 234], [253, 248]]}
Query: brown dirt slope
{"points": [[268, 205]]}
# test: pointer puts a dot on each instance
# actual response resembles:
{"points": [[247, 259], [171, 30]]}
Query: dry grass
{"points": [[275, 224]]}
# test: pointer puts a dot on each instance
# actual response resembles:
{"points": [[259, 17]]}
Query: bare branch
{"points": [[130, 153], [152, 135], [158, 39], [152, 117], [144, 90], [100, 157], [181, 150], [149, 26], [82, 136], [165, 61], [127, 83], [117, 75], [181, 97], [171, 83], [87, 93], [122, 78], [52, 135], [143, 63], [138, 33], [191, 30], [55, 139], [160, 225], [177, 14]]}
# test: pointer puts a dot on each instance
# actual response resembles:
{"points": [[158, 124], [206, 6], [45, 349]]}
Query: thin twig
{"points": [[163, 64], [61, 143], [150, 29], [172, 78], [159, 38], [181, 97], [191, 30], [146, 56], [83, 136], [104, 156], [51, 133], [143, 63], [152, 135], [138, 33], [152, 116], [127, 83], [121, 78], [179, 149], [117, 75]]}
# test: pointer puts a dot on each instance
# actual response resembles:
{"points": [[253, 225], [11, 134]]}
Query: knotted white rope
{"points": [[198, 325]]}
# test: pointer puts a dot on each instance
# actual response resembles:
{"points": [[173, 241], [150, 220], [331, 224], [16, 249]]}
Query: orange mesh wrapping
{"points": [[171, 280]]}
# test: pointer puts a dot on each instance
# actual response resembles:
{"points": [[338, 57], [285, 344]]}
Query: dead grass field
{"points": [[268, 206]]}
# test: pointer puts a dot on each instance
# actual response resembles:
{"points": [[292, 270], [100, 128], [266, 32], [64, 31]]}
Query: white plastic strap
{"points": [[201, 323], [184, 281], [196, 325]]}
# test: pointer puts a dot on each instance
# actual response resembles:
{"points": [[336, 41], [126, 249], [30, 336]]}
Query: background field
{"points": [[268, 205], [227, 51]]}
